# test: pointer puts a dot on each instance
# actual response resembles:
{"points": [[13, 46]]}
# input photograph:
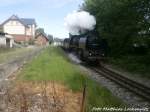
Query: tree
{"points": [[40, 30], [1, 29], [50, 37], [121, 22]]}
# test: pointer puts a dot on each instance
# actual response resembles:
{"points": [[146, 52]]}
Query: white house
{"points": [[22, 29], [6, 40]]}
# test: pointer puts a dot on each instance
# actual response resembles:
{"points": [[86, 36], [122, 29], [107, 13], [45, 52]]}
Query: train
{"points": [[88, 47]]}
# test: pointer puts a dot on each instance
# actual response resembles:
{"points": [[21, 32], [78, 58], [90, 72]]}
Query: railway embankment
{"points": [[133, 76], [128, 96], [137, 66]]}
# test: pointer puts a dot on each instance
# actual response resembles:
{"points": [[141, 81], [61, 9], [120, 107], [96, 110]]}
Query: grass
{"points": [[53, 65], [9, 53], [137, 65]]}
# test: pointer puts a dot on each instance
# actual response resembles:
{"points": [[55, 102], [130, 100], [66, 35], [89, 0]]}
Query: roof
{"points": [[9, 36], [24, 21], [28, 21], [43, 34], [5, 35], [2, 33]]}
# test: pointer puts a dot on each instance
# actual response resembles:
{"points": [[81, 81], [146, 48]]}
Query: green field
{"points": [[53, 65], [7, 54]]}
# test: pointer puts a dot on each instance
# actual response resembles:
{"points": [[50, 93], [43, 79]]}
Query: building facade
{"points": [[6, 40], [41, 40], [22, 29]]}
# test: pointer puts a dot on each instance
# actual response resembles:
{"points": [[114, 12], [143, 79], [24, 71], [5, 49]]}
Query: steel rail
{"points": [[131, 85]]}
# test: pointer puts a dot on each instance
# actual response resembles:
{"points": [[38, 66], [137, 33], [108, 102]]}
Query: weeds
{"points": [[33, 97]]}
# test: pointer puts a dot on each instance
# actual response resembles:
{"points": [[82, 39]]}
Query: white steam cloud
{"points": [[79, 22]]}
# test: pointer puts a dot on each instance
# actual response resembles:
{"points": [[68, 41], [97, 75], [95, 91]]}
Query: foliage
{"points": [[138, 66], [31, 42], [1, 29], [40, 30], [121, 22], [50, 37]]}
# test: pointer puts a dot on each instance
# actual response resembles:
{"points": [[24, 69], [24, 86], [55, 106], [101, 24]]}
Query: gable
{"points": [[15, 18], [42, 36], [14, 27], [13, 23]]}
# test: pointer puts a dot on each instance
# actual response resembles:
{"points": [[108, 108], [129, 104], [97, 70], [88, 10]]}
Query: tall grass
{"points": [[9, 53], [54, 65]]}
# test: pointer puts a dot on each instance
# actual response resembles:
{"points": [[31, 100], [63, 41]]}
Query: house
{"points": [[41, 39], [6, 40], [22, 29], [57, 42]]}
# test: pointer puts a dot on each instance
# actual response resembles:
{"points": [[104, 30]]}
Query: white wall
{"points": [[14, 27], [2, 41], [56, 43], [11, 43], [28, 31], [33, 30]]}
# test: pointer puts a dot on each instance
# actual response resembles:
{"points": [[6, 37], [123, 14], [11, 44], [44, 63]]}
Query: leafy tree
{"points": [[50, 37], [121, 22], [40, 30], [1, 29]]}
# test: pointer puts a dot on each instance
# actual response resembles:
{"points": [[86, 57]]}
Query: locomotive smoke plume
{"points": [[79, 22]]}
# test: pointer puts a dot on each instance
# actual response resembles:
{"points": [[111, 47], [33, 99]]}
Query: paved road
{"points": [[7, 68]]}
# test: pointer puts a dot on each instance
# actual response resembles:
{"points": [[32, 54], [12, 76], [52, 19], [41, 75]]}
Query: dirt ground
{"points": [[39, 97]]}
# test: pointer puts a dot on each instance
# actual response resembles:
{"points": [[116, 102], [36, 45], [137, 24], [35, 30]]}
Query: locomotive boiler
{"points": [[88, 47]]}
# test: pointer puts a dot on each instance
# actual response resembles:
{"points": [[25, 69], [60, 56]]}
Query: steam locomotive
{"points": [[88, 47]]}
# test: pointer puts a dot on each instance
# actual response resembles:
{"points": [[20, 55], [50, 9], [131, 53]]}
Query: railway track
{"points": [[136, 94], [133, 86]]}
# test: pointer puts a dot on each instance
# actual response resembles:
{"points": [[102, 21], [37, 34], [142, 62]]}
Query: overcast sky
{"points": [[49, 14]]}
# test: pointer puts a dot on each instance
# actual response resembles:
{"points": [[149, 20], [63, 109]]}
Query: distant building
{"points": [[57, 42], [22, 29], [41, 39], [6, 40]]}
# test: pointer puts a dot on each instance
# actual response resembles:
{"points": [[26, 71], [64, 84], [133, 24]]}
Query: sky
{"points": [[49, 14]]}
